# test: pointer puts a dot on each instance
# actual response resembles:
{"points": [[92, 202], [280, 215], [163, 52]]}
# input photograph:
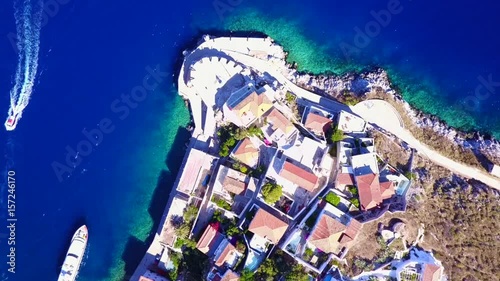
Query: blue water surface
{"points": [[92, 52]]}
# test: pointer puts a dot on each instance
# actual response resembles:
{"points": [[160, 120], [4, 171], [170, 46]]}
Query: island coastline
{"points": [[374, 80]]}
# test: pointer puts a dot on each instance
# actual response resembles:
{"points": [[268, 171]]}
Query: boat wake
{"points": [[28, 18]]}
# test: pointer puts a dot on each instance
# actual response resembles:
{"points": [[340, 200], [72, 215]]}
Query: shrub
{"points": [[247, 275], [221, 203], [179, 242], [297, 274], [410, 175], [267, 269], [352, 189], [243, 169], [289, 97], [240, 246], [271, 192], [351, 100], [355, 202], [312, 219], [337, 135], [190, 213], [332, 198], [183, 231], [232, 230], [308, 254]]}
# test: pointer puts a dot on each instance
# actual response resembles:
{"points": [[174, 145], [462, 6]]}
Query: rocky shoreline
{"points": [[358, 85]]}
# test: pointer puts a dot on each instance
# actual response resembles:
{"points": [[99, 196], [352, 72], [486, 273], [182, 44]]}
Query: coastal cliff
{"points": [[355, 87]]}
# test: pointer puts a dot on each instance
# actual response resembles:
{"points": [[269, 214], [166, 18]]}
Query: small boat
{"points": [[11, 122], [74, 257]]}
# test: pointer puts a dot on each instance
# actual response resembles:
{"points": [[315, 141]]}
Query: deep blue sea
{"points": [[443, 56]]}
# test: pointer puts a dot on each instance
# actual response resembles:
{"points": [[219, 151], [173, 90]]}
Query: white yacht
{"points": [[76, 250]]}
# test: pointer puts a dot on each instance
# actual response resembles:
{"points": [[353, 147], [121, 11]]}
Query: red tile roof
{"points": [[345, 179], [353, 228], [387, 189], [326, 234], [233, 185], [246, 152], [279, 121], [208, 239], [230, 276], [268, 226], [303, 178], [369, 191], [317, 124], [431, 272], [142, 278], [225, 255], [329, 233]]}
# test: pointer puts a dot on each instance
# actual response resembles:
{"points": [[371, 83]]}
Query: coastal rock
{"points": [[378, 80]]}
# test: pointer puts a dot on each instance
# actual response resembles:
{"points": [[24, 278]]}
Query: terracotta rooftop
{"points": [[225, 255], [142, 278], [230, 276], [345, 179], [317, 124], [329, 233], [209, 240], [303, 178], [353, 228], [387, 189], [431, 272], [268, 226], [369, 191], [246, 152], [279, 121], [233, 185], [326, 234]]}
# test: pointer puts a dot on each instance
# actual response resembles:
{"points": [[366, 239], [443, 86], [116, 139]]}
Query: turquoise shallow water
{"points": [[433, 79]]}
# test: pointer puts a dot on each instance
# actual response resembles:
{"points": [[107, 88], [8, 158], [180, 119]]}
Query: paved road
{"points": [[378, 115]]}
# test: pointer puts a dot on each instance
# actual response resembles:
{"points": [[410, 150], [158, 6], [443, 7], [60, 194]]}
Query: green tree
{"points": [[355, 202], [240, 246], [247, 275], [267, 270], [272, 192], [221, 203], [332, 198], [337, 135], [352, 189], [183, 231], [308, 253], [289, 97], [190, 213], [410, 175], [243, 169], [232, 229], [297, 274]]}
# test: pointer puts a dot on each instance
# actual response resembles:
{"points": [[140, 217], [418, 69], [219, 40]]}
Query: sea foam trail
{"points": [[28, 17]]}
